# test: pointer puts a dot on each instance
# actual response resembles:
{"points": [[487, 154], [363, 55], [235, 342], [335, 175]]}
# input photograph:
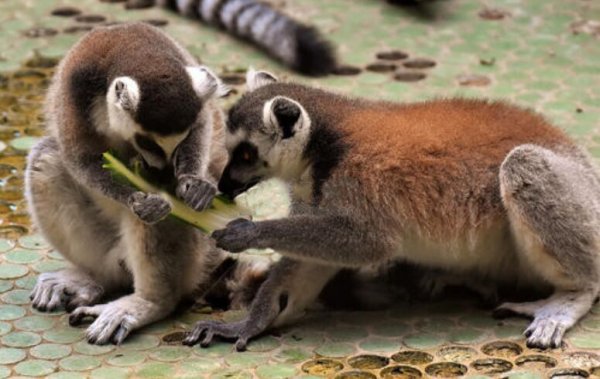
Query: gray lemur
{"points": [[133, 90], [468, 186]]}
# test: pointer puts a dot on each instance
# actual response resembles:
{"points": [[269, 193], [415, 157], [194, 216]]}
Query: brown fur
{"points": [[441, 157]]}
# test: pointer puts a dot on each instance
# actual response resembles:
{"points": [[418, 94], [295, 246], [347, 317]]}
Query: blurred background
{"points": [[543, 54]]}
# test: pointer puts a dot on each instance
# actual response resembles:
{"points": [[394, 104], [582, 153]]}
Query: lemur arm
{"points": [[192, 154], [290, 287], [331, 239], [191, 161], [87, 170]]}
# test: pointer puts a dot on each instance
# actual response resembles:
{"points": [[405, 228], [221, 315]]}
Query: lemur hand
{"points": [[238, 235], [196, 192], [150, 208]]}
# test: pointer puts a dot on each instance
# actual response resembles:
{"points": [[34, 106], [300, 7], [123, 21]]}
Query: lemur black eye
{"points": [[150, 146], [245, 153]]}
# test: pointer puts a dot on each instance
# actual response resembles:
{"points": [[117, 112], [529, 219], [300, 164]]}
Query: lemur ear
{"points": [[287, 113], [206, 83], [256, 79], [126, 93]]}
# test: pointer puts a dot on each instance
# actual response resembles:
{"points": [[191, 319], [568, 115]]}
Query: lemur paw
{"points": [[207, 330], [150, 208], [196, 192], [545, 333], [238, 235], [64, 288], [115, 320]]}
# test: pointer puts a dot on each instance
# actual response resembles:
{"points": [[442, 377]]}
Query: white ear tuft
{"points": [[125, 92], [256, 79], [206, 83]]}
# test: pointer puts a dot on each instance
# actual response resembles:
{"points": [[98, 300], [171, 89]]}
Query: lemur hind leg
{"points": [[167, 262], [552, 203], [290, 287], [68, 219]]}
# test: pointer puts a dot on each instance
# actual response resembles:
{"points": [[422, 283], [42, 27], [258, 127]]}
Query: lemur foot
{"points": [[115, 320], [150, 208], [552, 317], [67, 288], [239, 235], [196, 192], [207, 330]]}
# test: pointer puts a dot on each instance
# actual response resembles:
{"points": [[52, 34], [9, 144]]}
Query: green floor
{"points": [[543, 54]]}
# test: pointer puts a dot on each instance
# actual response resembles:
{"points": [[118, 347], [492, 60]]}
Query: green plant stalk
{"points": [[221, 212]]}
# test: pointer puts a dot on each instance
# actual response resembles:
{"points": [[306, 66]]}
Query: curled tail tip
{"points": [[315, 55]]}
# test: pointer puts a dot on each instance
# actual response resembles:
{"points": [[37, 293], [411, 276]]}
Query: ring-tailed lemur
{"points": [[132, 89], [469, 186], [299, 46]]}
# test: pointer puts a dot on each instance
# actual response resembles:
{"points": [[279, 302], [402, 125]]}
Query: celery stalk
{"points": [[221, 212]]}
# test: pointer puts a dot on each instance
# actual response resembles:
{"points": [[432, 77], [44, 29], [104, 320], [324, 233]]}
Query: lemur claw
{"points": [[196, 192], [238, 235], [149, 207], [207, 330]]}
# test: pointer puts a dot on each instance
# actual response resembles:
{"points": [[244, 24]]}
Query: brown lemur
{"points": [[133, 90], [473, 187]]}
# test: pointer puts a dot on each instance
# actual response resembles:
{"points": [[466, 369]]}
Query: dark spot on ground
{"points": [[111, 23], [473, 80], [139, 4], [113, 1], [40, 61], [157, 22], [346, 70], [90, 18], [579, 110], [175, 337], [381, 67], [487, 62], [419, 63], [591, 27], [40, 32], [493, 14], [392, 55], [66, 12], [77, 29], [409, 76]]}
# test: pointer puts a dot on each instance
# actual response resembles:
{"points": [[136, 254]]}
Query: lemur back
{"points": [[480, 189]]}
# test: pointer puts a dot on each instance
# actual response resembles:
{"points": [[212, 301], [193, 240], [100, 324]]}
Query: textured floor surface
{"points": [[543, 54]]}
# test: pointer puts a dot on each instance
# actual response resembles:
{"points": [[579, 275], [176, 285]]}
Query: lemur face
{"points": [[266, 137], [156, 114]]}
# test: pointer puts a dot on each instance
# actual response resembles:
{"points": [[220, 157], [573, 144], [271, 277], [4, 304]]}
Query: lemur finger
{"points": [[557, 337], [207, 338], [120, 334], [193, 336], [56, 300], [201, 195], [241, 344], [199, 201], [78, 315], [44, 298]]}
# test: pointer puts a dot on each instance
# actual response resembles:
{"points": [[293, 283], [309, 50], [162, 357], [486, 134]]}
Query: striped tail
{"points": [[299, 46]]}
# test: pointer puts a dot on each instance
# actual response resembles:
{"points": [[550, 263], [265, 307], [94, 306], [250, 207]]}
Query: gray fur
{"points": [[534, 222], [116, 237]]}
